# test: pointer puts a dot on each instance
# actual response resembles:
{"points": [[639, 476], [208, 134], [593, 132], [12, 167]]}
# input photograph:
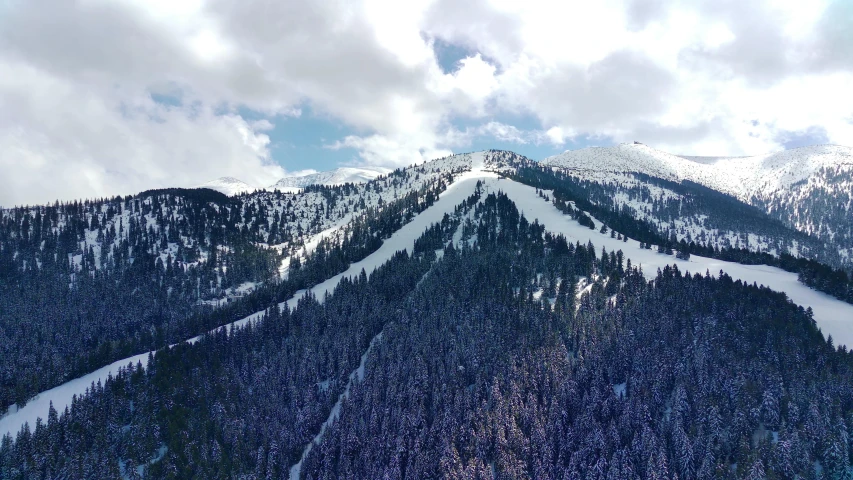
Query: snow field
{"points": [[39, 406]]}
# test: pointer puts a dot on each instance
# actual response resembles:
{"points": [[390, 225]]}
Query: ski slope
{"points": [[39, 406], [310, 245], [832, 316], [403, 239], [357, 374]]}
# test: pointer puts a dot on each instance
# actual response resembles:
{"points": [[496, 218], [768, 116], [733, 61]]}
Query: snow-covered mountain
{"points": [[741, 177], [806, 188], [291, 184], [422, 280], [338, 176], [299, 220], [229, 186]]}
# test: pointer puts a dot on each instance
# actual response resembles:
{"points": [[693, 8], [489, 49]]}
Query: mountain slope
{"points": [[190, 260], [146, 271], [478, 175], [504, 342], [742, 177], [806, 188]]}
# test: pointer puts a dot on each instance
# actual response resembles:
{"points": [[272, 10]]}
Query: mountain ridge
{"points": [[292, 183], [337, 176], [741, 176], [806, 188], [477, 293], [228, 185]]}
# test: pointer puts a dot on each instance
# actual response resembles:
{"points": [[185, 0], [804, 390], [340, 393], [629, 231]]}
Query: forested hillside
{"points": [[691, 219], [567, 341], [514, 355], [87, 283]]}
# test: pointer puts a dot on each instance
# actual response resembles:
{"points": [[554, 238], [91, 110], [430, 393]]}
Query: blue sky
{"points": [[812, 136], [301, 142]]}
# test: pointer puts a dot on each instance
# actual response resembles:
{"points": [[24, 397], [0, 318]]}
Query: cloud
{"points": [[503, 132], [126, 143], [684, 75], [617, 90], [556, 136], [390, 151], [76, 97]]}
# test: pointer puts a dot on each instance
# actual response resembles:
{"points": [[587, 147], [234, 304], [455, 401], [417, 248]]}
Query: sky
{"points": [[106, 97]]}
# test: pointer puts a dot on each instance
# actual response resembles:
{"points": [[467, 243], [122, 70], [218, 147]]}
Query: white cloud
{"points": [[683, 75], [556, 135], [468, 89], [385, 150], [503, 132], [689, 76], [61, 142]]}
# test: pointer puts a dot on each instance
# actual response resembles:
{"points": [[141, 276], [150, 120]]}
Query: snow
{"points": [[309, 246], [686, 227], [304, 214], [140, 469], [784, 184], [61, 396], [229, 186], [404, 239], [245, 288], [231, 294], [338, 176], [832, 316], [742, 177]]}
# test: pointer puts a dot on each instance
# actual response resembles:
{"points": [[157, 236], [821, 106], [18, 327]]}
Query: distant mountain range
{"points": [[291, 184], [338, 176], [229, 186], [809, 189], [758, 176]]}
